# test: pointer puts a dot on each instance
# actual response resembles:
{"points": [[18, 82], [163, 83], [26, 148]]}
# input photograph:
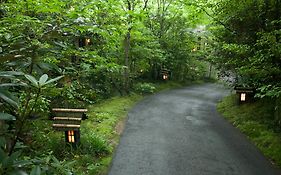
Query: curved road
{"points": [[179, 132]]}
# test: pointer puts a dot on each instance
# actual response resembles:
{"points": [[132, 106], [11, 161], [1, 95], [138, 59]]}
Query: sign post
{"points": [[246, 94], [68, 120]]}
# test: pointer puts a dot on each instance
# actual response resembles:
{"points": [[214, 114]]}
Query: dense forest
{"points": [[70, 53]]}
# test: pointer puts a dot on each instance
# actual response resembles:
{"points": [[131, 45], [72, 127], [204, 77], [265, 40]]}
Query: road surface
{"points": [[179, 132]]}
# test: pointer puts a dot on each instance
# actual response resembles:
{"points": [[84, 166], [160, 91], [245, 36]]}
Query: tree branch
{"points": [[218, 21], [214, 18], [145, 4], [129, 5]]}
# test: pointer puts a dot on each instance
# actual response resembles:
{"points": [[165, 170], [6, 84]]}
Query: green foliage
{"points": [[145, 88], [14, 164], [98, 137], [38, 105], [126, 42], [74, 95], [249, 44], [257, 121], [95, 144], [19, 107], [7, 117], [42, 81], [8, 162]]}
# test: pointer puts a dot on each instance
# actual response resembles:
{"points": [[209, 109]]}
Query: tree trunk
{"points": [[127, 47], [210, 71], [277, 112], [127, 67], [277, 14], [265, 15]]}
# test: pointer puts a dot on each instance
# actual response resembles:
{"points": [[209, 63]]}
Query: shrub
{"points": [[145, 88]]}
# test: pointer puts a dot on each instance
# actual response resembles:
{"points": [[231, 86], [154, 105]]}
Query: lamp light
{"points": [[70, 136], [243, 97], [87, 41]]}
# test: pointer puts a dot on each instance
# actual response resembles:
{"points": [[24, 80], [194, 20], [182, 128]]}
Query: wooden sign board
{"points": [[246, 94], [67, 119]]}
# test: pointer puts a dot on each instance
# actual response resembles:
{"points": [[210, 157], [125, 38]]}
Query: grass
{"points": [[167, 85], [256, 120], [100, 135], [103, 121], [107, 120]]}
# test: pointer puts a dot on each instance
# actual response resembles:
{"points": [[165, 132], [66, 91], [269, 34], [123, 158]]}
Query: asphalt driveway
{"points": [[179, 132]]}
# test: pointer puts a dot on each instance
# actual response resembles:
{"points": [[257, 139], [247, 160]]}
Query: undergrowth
{"points": [[99, 135], [256, 121]]}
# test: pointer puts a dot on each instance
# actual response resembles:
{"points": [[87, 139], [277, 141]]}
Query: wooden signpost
{"points": [[82, 42], [69, 121], [246, 94], [165, 74]]}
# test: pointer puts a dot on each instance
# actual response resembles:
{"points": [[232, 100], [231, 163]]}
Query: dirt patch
{"points": [[119, 128]]}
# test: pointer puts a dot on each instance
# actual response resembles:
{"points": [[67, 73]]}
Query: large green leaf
{"points": [[32, 80], [9, 98], [56, 161], [36, 171], [47, 66], [5, 85], [9, 161], [43, 80], [9, 73], [2, 142], [23, 163], [18, 172], [3, 155], [5, 116], [54, 79]]}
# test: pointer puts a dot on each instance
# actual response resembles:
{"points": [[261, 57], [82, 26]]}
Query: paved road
{"points": [[179, 132]]}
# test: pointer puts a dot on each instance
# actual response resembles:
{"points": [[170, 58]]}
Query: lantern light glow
{"points": [[87, 41], [71, 138], [243, 97]]}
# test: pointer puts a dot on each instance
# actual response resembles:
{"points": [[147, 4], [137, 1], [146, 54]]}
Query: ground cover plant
{"points": [[257, 121]]}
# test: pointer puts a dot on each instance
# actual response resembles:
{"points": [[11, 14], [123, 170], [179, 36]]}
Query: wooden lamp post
{"points": [[84, 42], [69, 120], [72, 136], [165, 74], [246, 94]]}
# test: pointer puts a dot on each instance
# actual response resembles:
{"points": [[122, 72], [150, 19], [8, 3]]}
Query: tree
{"points": [[249, 44], [101, 47]]}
